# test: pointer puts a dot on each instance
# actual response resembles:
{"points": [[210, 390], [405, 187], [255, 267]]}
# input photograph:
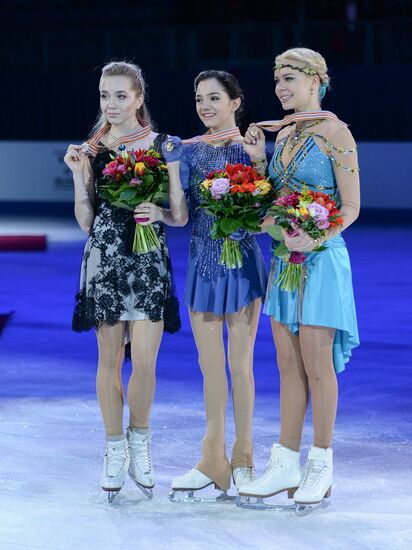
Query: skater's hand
{"points": [[298, 240], [75, 157], [172, 149], [267, 221], [147, 213], [254, 143]]}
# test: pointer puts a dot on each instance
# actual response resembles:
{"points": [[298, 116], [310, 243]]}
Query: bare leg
{"points": [[316, 345], [109, 381], [208, 333], [242, 327], [294, 389], [145, 340]]}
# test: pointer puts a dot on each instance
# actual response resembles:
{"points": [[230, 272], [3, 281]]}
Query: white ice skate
{"points": [[317, 481], [184, 487], [283, 474], [116, 462], [140, 468], [242, 476]]}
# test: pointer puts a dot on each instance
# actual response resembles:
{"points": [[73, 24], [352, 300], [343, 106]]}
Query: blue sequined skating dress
{"points": [[210, 287], [326, 297]]}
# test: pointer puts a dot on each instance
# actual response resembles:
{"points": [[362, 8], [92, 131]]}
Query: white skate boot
{"points": [[116, 462], [242, 476], [184, 487], [140, 469], [283, 474], [317, 481]]}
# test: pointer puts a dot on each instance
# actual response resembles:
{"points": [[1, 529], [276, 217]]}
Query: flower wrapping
{"points": [[238, 197], [314, 213], [133, 177]]}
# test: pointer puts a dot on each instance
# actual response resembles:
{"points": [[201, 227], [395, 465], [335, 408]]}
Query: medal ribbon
{"points": [[275, 125], [210, 137], [91, 145]]}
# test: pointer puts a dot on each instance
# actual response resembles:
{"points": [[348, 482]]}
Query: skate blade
{"points": [[147, 491], [257, 503], [189, 497], [305, 509], [111, 495]]}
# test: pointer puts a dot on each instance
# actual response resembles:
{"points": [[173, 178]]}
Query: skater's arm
{"points": [[83, 181], [177, 214], [84, 198]]}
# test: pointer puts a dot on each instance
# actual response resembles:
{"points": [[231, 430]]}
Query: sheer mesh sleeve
{"points": [[342, 149]]}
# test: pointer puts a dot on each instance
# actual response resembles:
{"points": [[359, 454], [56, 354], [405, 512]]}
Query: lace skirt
{"points": [[117, 284]]}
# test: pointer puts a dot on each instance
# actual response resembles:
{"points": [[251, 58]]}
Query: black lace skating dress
{"points": [[117, 284]]}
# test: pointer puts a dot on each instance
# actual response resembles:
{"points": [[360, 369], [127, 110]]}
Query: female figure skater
{"points": [[215, 294], [315, 329], [123, 295]]}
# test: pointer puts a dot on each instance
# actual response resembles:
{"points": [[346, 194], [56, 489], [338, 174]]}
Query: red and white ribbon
{"points": [[275, 125], [210, 137], [91, 146]]}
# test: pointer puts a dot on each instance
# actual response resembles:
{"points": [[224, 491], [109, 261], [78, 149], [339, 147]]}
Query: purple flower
{"points": [[135, 181], [322, 224], [319, 212], [220, 187]]}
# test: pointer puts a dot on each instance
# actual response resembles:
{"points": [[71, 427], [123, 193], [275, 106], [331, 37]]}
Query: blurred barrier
{"points": [[34, 172]]}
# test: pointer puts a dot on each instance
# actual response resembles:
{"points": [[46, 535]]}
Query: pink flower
{"points": [[220, 187], [135, 181], [122, 169], [110, 168], [288, 200], [322, 224]]}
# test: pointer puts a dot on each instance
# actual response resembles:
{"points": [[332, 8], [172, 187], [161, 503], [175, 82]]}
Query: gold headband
{"points": [[307, 70]]}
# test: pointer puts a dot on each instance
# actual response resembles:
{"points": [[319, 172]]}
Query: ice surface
{"points": [[51, 436]]}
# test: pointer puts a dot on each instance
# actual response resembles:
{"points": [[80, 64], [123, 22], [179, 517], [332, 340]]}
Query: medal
{"points": [[169, 146]]}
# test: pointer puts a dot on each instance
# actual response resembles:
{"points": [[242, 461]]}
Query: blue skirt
{"points": [[212, 288], [326, 298]]}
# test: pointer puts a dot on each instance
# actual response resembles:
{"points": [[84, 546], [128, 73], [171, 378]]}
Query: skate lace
{"points": [[248, 472], [141, 454], [115, 458], [314, 473]]}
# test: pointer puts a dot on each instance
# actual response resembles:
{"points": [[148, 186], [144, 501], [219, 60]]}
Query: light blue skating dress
{"points": [[326, 296]]}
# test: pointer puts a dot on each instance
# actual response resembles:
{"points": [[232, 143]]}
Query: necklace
{"points": [[298, 134]]}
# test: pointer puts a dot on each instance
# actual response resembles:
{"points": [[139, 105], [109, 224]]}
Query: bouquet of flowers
{"points": [[239, 197], [134, 177], [312, 212]]}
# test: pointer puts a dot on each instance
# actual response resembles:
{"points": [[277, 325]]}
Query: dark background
{"points": [[52, 53]]}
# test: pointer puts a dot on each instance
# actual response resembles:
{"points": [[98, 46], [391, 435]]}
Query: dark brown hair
{"points": [[229, 83]]}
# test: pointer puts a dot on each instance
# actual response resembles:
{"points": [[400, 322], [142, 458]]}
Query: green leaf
{"points": [[281, 250], [229, 225], [148, 179], [214, 231], [127, 195], [275, 231], [120, 204]]}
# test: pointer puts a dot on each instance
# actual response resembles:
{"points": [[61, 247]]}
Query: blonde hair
{"points": [[305, 58], [134, 73]]}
